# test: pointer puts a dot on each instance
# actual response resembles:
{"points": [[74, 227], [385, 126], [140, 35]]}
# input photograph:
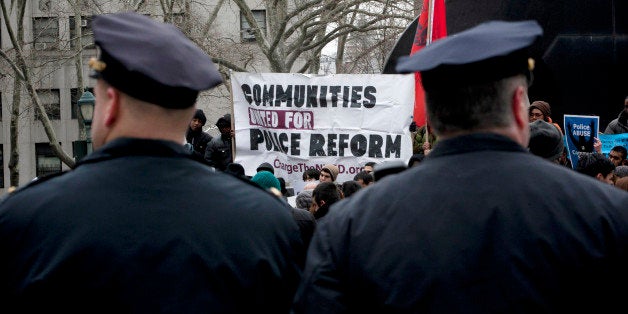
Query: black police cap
{"points": [[487, 52], [150, 60]]}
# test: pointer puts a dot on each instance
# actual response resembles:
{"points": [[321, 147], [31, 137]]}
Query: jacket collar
{"points": [[136, 147], [475, 143]]}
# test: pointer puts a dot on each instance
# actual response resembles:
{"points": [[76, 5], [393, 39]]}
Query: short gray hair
{"points": [[621, 171], [472, 107]]}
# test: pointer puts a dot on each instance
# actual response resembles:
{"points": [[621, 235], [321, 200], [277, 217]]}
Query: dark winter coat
{"points": [[481, 226], [218, 152], [140, 227], [198, 140], [619, 125]]}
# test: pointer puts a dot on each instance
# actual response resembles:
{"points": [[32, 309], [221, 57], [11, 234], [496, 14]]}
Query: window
{"points": [[46, 163], [246, 31], [87, 38], [46, 33], [44, 5], [74, 98], [1, 165], [49, 98]]}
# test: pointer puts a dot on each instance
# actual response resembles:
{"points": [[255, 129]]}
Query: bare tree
{"points": [[14, 155], [293, 32], [22, 78], [290, 38]]}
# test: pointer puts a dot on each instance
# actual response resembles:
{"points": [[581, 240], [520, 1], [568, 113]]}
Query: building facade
{"points": [[50, 52]]}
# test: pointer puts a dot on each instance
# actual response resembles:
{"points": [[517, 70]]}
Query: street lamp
{"points": [[86, 106]]}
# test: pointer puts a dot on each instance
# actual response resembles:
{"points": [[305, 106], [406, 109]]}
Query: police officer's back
{"points": [[139, 225], [482, 225]]}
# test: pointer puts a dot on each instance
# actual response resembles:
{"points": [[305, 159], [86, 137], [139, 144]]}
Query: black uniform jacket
{"points": [[138, 226], [481, 226]]}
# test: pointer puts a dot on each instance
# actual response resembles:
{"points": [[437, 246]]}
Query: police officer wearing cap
{"points": [[139, 225], [482, 225]]}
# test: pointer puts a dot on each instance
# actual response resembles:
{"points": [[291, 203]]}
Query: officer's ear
{"points": [[112, 106], [520, 105]]}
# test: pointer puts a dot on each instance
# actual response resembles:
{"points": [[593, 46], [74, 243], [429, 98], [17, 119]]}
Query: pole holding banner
{"points": [[431, 26]]}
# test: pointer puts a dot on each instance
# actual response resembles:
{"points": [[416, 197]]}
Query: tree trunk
{"points": [[14, 156]]}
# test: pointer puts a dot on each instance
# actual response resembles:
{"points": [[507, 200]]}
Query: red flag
{"points": [[431, 21]]}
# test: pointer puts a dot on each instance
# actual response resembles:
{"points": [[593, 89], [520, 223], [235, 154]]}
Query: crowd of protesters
{"points": [[485, 217]]}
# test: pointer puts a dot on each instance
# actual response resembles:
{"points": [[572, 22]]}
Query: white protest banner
{"points": [[295, 121]]}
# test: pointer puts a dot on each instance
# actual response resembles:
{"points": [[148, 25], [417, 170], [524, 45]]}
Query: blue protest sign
{"points": [[580, 134], [611, 140]]}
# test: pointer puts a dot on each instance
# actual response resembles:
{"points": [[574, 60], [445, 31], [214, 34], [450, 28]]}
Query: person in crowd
{"points": [[622, 183], [237, 170], [415, 159], [329, 173], [285, 193], [218, 152], [596, 165], [303, 218], [546, 141], [482, 226], [387, 168], [307, 224], [541, 110], [323, 196], [564, 159], [310, 177], [304, 199], [140, 225], [267, 181], [619, 125], [265, 166], [368, 167], [618, 155], [424, 140], [311, 174], [364, 178], [621, 171], [413, 129], [195, 136], [350, 187]]}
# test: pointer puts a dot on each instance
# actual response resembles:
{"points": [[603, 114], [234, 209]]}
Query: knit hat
{"points": [[266, 180], [545, 140], [333, 170], [235, 169], [200, 115], [304, 199], [224, 121], [543, 106], [266, 166]]}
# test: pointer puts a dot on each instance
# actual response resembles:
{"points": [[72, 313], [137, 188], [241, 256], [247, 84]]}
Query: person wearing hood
{"points": [[620, 124], [218, 151], [195, 136]]}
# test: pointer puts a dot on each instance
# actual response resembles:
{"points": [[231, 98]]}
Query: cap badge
{"points": [[96, 65]]}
